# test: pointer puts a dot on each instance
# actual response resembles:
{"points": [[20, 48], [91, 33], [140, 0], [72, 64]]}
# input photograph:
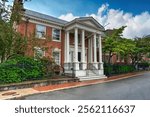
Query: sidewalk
{"points": [[12, 94]]}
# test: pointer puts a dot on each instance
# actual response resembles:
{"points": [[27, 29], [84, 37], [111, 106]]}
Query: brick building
{"points": [[75, 45]]}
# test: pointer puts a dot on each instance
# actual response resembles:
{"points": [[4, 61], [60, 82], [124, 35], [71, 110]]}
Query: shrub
{"points": [[117, 69], [20, 69]]}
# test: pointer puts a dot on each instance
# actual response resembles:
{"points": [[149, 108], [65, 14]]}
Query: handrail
{"points": [[92, 68]]}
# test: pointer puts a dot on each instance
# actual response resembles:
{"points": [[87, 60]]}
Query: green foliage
{"points": [[20, 69], [117, 69], [48, 66], [126, 48], [11, 42], [111, 43]]}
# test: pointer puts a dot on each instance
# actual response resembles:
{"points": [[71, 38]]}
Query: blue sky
{"points": [[135, 14], [81, 7]]}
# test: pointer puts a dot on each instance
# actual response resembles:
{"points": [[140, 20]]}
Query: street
{"points": [[135, 88]]}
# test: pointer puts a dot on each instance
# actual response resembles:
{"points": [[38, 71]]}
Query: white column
{"points": [[91, 50], [100, 49], [76, 45], [100, 52], [95, 49], [84, 65], [76, 62], [65, 49], [83, 47], [68, 47]]}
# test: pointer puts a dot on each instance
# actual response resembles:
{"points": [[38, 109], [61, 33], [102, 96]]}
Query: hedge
{"points": [[20, 69], [117, 69]]}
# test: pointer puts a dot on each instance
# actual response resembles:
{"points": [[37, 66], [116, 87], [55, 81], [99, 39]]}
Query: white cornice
{"points": [[43, 23]]}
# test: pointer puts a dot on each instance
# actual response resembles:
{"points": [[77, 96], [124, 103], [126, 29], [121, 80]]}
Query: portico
{"points": [[81, 58]]}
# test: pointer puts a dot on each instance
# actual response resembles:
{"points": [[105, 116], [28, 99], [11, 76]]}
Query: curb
{"points": [[34, 92]]}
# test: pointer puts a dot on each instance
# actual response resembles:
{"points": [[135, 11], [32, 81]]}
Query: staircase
{"points": [[91, 76]]}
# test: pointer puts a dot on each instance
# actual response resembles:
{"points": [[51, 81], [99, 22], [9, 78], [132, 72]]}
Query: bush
{"points": [[48, 66], [117, 69], [20, 69]]}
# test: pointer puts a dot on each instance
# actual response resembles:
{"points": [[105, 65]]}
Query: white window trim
{"points": [[59, 56], [36, 31], [39, 48], [59, 35]]}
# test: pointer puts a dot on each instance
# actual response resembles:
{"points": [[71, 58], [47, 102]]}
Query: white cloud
{"points": [[68, 17], [137, 26]]}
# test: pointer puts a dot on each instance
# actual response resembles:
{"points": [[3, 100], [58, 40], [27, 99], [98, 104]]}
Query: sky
{"points": [[135, 14]]}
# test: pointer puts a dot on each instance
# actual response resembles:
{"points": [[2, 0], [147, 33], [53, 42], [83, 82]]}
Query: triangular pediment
{"points": [[90, 21]]}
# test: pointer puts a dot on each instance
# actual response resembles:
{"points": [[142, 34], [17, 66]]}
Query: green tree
{"points": [[11, 42], [125, 48], [142, 49], [111, 43]]}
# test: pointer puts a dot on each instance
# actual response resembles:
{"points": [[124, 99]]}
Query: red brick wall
{"points": [[48, 43]]}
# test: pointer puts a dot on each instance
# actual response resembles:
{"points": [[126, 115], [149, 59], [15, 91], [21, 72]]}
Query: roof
{"points": [[30, 13], [44, 17]]}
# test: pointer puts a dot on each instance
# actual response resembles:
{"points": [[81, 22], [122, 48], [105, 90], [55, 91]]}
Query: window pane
{"points": [[40, 31], [56, 57], [56, 34], [39, 53]]}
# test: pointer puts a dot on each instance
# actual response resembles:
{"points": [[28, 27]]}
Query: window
{"points": [[38, 53], [56, 34], [56, 56], [40, 31]]}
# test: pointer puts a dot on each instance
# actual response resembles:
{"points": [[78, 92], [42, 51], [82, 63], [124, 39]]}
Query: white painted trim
{"points": [[41, 23], [84, 27], [33, 19]]}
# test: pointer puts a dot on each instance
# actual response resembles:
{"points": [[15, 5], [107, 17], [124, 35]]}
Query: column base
{"points": [[68, 66], [95, 65], [76, 66], [84, 65], [101, 66]]}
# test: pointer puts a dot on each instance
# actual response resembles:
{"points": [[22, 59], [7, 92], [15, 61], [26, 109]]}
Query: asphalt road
{"points": [[135, 88]]}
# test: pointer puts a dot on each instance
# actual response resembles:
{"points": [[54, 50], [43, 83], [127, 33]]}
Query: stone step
{"points": [[92, 77], [90, 73]]}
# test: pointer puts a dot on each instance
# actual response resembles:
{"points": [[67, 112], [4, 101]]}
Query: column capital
{"points": [[100, 36], [83, 30], [67, 31]]}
